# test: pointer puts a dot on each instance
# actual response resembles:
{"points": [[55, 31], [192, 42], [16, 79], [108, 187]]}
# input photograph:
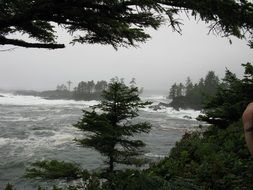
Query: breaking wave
{"points": [[187, 114], [19, 100], [10, 99], [34, 128]]}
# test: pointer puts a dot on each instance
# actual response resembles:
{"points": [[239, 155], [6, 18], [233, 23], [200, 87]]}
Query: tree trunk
{"points": [[111, 165], [110, 172]]}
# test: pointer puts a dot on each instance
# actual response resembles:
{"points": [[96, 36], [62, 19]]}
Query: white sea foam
{"points": [[151, 110], [3, 141], [153, 97], [188, 114], [181, 129], [154, 155], [35, 142], [174, 128], [19, 118], [183, 114], [10, 99]]}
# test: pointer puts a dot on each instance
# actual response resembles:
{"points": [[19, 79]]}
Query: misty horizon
{"points": [[165, 59]]}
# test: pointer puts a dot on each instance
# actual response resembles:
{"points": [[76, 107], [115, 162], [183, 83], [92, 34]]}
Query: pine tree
{"points": [[188, 86], [9, 187], [180, 90], [193, 95], [172, 92], [211, 83], [111, 132], [230, 99], [100, 86], [114, 22]]}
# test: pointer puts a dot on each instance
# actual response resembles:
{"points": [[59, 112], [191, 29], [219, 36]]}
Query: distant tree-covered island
{"points": [[88, 90]]}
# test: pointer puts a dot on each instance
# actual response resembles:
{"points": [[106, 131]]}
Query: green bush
{"points": [[214, 159], [53, 169], [9, 187]]}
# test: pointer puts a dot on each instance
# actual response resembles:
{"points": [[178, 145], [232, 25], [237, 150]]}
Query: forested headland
{"points": [[193, 96], [215, 157]]}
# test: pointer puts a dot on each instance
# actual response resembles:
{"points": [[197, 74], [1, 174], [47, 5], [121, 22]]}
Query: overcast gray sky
{"points": [[166, 58]]}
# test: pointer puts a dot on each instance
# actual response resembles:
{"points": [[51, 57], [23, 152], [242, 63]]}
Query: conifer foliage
{"points": [[115, 22], [193, 95], [109, 129], [230, 100]]}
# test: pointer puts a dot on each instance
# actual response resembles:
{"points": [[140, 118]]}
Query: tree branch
{"points": [[10, 49], [6, 41]]}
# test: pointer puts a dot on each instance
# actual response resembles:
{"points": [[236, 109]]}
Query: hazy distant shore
{"points": [[58, 95]]}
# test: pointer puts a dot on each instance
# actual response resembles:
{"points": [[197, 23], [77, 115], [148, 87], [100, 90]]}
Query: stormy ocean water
{"points": [[33, 129]]}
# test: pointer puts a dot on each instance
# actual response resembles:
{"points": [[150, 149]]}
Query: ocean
{"points": [[33, 129]]}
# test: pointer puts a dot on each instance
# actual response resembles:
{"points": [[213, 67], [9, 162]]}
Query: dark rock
{"points": [[155, 107], [187, 117], [163, 104], [159, 106]]}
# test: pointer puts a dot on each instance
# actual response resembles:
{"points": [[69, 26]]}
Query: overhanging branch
{"points": [[6, 41]]}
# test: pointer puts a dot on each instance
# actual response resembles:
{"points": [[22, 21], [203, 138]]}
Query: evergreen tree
{"points": [[61, 87], [180, 90], [230, 99], [9, 187], [201, 84], [100, 86], [82, 87], [110, 132], [193, 95], [114, 22], [89, 90], [188, 86], [90, 87], [172, 92], [133, 82], [211, 83]]}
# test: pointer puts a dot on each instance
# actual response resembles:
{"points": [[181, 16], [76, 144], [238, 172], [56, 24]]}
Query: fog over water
{"points": [[164, 59]]}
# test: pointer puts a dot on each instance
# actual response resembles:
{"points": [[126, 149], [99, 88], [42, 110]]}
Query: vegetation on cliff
{"points": [[211, 158], [216, 157]]}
